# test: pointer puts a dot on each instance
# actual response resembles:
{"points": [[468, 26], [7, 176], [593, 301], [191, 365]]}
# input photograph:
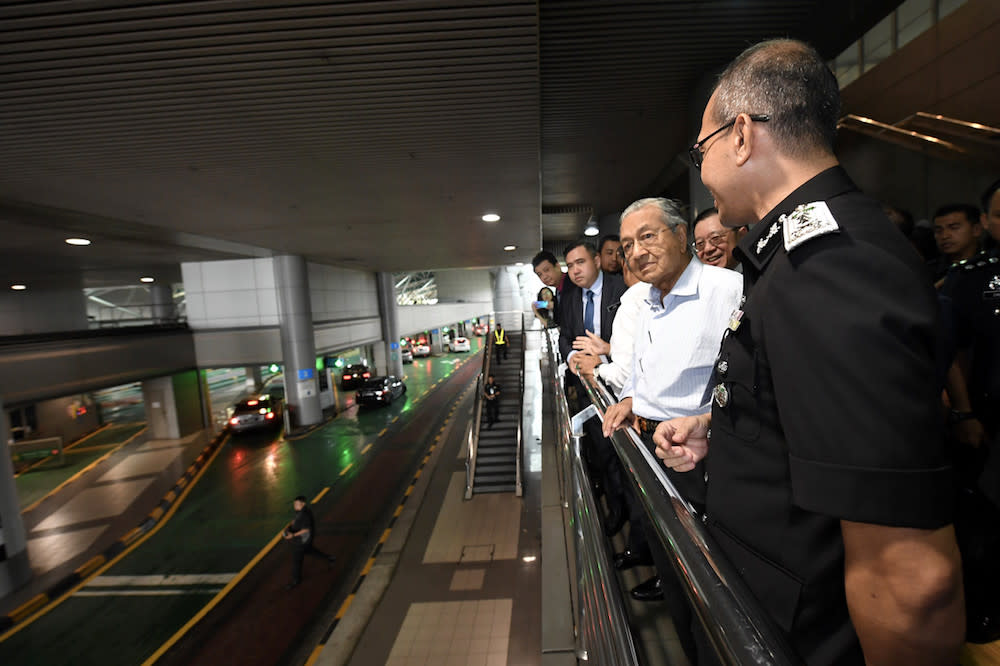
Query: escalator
{"points": [[494, 453]]}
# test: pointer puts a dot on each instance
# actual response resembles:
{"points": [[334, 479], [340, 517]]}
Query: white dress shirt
{"points": [[676, 343], [622, 338]]}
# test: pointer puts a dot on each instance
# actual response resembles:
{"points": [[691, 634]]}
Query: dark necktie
{"points": [[588, 312]]}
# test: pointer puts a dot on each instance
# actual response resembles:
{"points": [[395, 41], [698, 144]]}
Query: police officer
{"points": [[828, 483]]}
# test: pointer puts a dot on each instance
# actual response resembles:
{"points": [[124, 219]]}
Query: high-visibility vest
{"points": [[501, 336]]}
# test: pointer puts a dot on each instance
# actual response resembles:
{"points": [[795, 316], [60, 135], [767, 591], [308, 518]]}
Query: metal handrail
{"points": [[603, 635], [519, 488], [472, 437], [740, 630]]}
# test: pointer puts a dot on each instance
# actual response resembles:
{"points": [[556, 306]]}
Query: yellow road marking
{"points": [[399, 510], [384, 430], [315, 654], [90, 566], [22, 612], [368, 566], [214, 602], [366, 449], [344, 606], [80, 473], [385, 535], [344, 471], [46, 608], [321, 493]]}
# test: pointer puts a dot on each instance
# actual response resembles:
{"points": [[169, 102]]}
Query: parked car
{"points": [[459, 345], [354, 375], [263, 411], [406, 355], [380, 390], [421, 349]]}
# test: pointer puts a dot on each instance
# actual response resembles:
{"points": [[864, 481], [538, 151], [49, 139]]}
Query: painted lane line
{"points": [[366, 449], [320, 495], [162, 580], [146, 593], [344, 471], [384, 430]]}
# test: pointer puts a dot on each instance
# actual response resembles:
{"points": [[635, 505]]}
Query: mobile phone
{"points": [[541, 304]]}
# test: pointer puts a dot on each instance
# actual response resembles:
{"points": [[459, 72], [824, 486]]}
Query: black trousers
{"points": [[301, 550], [492, 411], [500, 349]]}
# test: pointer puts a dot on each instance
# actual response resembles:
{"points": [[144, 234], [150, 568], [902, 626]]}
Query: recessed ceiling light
{"points": [[78, 241], [18, 287], [529, 558], [491, 217], [509, 248], [520, 263], [147, 279]]}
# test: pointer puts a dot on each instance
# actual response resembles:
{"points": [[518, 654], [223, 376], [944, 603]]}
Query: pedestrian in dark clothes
{"points": [[491, 391], [300, 531]]}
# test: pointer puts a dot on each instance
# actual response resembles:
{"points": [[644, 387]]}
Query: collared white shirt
{"points": [[677, 342], [623, 337]]}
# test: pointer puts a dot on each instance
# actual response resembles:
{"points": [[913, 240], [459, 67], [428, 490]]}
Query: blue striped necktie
{"points": [[588, 312]]}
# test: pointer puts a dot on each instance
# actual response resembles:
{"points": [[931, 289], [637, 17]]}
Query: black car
{"points": [[380, 390], [263, 411], [355, 375]]}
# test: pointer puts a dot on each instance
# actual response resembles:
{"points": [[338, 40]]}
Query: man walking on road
{"points": [[301, 530]]}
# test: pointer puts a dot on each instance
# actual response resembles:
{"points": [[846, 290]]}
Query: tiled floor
{"points": [[483, 529], [458, 633]]}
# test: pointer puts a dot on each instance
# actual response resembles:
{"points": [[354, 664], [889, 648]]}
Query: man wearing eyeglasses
{"points": [[713, 242], [829, 486]]}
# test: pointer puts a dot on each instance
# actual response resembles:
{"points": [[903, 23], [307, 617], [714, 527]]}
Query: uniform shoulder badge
{"points": [[807, 221]]}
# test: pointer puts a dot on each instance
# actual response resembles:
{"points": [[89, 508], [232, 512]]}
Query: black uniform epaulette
{"points": [[807, 222]]}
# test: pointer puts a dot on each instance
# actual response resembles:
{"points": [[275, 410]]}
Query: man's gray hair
{"points": [[670, 211], [789, 81]]}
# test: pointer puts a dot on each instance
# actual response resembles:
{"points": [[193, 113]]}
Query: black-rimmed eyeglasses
{"points": [[695, 150]]}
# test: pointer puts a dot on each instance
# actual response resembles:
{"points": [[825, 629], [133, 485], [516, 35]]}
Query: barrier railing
{"points": [[738, 628]]}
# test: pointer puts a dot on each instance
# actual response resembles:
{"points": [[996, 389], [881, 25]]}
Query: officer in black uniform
{"points": [[828, 483]]}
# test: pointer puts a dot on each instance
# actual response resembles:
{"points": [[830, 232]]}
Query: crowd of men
{"points": [[818, 391]]}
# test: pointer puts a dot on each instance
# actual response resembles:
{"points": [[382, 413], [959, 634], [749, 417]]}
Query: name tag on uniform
{"points": [[734, 320]]}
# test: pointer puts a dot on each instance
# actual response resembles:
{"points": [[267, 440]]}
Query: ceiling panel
{"points": [[363, 134]]}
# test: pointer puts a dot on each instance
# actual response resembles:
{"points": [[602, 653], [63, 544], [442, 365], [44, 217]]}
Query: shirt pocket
{"points": [[740, 416]]}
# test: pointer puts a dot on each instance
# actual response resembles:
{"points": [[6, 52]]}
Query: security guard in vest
{"points": [[829, 483], [500, 342]]}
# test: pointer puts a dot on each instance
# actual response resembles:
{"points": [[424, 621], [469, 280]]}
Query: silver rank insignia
{"points": [[721, 395], [807, 221], [770, 234]]}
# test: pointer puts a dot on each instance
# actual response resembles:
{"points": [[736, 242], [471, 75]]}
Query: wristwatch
{"points": [[955, 416]]}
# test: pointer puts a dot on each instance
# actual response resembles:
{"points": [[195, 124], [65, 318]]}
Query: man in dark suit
{"points": [[590, 305]]}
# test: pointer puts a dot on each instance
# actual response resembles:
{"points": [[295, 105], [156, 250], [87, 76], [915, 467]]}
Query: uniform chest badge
{"points": [[721, 395], [734, 320], [806, 222]]}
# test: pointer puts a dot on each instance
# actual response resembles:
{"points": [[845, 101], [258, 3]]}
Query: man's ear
{"points": [[743, 138]]}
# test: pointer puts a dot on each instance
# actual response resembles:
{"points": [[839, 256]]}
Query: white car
{"points": [[421, 349], [406, 355], [459, 345]]}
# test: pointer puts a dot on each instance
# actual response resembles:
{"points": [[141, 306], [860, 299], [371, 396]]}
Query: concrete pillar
{"points": [[507, 299], [15, 570], [162, 299], [298, 345], [437, 346], [255, 378], [161, 412], [389, 347]]}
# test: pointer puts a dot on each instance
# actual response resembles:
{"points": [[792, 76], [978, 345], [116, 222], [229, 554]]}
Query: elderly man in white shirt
{"points": [[687, 308]]}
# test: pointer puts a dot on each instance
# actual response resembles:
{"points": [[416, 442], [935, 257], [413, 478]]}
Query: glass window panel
{"points": [[912, 18], [877, 43], [845, 66], [946, 7]]}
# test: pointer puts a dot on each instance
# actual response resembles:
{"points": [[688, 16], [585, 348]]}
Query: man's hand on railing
{"points": [[591, 343], [583, 364], [618, 416], [681, 443]]}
